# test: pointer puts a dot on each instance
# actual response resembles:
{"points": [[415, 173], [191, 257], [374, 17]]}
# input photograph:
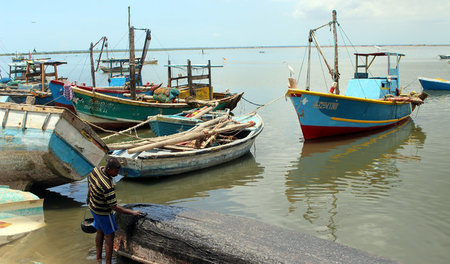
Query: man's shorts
{"points": [[106, 223]]}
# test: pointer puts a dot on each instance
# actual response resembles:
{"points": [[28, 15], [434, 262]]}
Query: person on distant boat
{"points": [[102, 201]]}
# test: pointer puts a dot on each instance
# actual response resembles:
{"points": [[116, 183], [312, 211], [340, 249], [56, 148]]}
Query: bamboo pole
{"points": [[189, 136], [128, 129], [132, 144], [203, 112]]}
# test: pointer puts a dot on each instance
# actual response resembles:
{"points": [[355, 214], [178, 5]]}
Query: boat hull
{"points": [[434, 84], [157, 162], [173, 234], [325, 115], [119, 112], [57, 90], [45, 146], [20, 213]]}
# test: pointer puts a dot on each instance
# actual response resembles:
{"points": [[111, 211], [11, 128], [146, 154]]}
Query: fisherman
{"points": [[102, 201]]}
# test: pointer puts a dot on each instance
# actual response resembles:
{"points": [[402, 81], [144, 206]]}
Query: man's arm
{"points": [[123, 210]]}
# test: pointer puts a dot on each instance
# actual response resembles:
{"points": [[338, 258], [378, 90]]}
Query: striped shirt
{"points": [[102, 194]]}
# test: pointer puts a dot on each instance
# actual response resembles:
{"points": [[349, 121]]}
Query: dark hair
{"points": [[112, 163]]}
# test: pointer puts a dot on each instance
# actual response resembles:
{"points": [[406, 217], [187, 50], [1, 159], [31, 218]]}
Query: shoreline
{"points": [[214, 48]]}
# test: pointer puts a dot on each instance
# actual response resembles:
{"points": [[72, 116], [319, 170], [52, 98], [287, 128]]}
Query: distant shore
{"points": [[207, 48]]}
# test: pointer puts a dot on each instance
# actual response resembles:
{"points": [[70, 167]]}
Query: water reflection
{"points": [[364, 167], [194, 185]]}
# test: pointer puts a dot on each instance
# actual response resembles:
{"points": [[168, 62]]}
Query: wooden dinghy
{"points": [[210, 144], [45, 146], [20, 213], [171, 234]]}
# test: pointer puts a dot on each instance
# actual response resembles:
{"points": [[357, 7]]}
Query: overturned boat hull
{"points": [[45, 146], [171, 234]]}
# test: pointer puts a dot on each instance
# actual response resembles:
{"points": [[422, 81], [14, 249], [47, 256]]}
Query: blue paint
{"points": [[67, 154], [22, 212]]}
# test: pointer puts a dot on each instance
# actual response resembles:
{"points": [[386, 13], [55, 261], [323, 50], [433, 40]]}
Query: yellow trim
{"points": [[367, 121], [297, 91], [123, 100]]}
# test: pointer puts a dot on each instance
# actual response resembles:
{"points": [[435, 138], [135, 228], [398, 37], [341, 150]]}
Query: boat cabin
{"points": [[34, 72], [190, 84], [364, 85], [121, 68]]}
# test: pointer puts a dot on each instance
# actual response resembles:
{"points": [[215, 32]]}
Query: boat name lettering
{"points": [[325, 105]]}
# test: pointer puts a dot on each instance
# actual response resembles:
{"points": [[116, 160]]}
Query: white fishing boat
{"points": [[164, 158], [20, 213]]}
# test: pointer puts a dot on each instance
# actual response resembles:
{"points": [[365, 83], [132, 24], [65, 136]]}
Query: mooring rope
{"points": [[251, 102]]}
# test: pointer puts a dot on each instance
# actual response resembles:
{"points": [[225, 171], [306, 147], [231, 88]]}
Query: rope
{"points": [[269, 103], [323, 72], [301, 67], [251, 102]]}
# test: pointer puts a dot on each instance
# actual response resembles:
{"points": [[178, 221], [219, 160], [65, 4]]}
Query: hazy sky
{"points": [[72, 25]]}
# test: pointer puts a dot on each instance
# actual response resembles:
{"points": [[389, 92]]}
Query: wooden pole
{"points": [[128, 145], [132, 66], [91, 51], [190, 136], [56, 71], [211, 93], [43, 76], [189, 72], [336, 70], [169, 73]]}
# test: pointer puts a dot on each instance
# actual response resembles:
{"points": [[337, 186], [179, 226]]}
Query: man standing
{"points": [[101, 199]]}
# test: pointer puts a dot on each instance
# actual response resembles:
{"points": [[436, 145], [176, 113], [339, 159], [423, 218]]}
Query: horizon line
{"points": [[212, 48]]}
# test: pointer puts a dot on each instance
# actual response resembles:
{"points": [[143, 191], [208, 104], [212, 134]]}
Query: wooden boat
{"points": [[173, 234], [164, 156], [20, 213], [33, 76], [45, 146], [164, 125], [63, 96], [114, 113], [434, 84], [369, 103]]}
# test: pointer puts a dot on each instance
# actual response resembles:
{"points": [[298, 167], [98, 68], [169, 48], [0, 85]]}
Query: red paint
{"points": [[315, 132]]}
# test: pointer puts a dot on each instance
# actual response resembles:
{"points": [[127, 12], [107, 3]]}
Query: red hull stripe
{"points": [[314, 132]]}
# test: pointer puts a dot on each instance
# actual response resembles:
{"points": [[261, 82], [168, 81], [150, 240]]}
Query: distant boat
{"points": [[444, 57], [434, 84], [369, 103], [32, 76], [181, 158], [45, 146], [20, 213]]}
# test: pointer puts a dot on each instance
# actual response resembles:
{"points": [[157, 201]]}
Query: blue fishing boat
{"points": [[164, 158], [370, 102], [20, 213], [434, 84], [45, 146]]}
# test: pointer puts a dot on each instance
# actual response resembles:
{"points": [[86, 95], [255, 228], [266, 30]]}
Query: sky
{"points": [[48, 25]]}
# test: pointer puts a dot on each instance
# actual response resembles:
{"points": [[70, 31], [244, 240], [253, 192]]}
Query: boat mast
{"points": [[309, 61], [336, 71], [132, 59], [91, 51]]}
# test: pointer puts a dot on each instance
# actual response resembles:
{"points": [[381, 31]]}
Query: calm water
{"points": [[385, 193]]}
